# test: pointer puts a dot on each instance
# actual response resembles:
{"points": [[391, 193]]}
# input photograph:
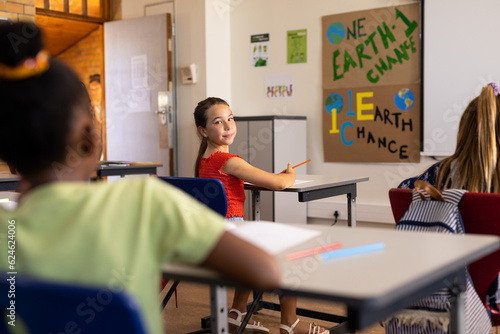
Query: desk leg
{"points": [[351, 210], [218, 308], [256, 204], [457, 307]]}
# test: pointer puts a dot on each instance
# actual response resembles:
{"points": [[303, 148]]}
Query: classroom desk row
{"points": [[372, 285], [9, 182]]}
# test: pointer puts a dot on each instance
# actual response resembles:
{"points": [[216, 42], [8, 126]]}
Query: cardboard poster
{"points": [[259, 50], [371, 85], [376, 124], [297, 46]]}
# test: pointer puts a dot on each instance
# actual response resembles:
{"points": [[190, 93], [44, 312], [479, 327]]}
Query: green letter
{"points": [[370, 78], [412, 44], [411, 25], [390, 61], [388, 35], [360, 34], [348, 61], [359, 52], [383, 66], [401, 53], [370, 40], [336, 53], [351, 33]]}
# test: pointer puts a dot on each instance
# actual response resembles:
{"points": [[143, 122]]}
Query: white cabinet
{"points": [[269, 143]]}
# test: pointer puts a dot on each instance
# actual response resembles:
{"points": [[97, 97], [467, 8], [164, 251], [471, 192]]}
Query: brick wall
{"points": [[87, 58], [18, 10]]}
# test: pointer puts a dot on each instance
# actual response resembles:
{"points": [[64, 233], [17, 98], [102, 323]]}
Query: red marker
{"points": [[313, 251]]}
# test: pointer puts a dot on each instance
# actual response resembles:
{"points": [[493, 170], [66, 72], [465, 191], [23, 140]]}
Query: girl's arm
{"points": [[246, 172], [244, 263]]}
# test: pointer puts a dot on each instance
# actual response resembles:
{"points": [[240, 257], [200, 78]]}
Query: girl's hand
{"points": [[290, 173]]}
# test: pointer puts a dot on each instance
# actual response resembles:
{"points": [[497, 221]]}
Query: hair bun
{"points": [[19, 41]]}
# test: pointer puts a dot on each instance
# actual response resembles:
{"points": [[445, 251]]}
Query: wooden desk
{"points": [[9, 182], [317, 187], [372, 285], [119, 170]]}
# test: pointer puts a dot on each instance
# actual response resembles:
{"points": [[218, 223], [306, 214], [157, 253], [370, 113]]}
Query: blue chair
{"points": [[206, 190], [49, 307]]}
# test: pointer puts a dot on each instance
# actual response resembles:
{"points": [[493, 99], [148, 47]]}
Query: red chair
{"points": [[480, 215]]}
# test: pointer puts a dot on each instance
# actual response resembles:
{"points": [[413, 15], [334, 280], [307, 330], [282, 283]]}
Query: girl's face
{"points": [[221, 128]]}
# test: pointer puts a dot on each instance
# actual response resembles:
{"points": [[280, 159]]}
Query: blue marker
{"points": [[353, 251]]}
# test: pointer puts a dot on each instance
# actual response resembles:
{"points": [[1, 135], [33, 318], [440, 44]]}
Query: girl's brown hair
{"points": [[474, 166], [200, 119]]}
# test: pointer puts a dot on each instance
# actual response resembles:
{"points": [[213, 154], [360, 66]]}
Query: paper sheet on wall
{"points": [[273, 237], [259, 50], [139, 67], [279, 86]]}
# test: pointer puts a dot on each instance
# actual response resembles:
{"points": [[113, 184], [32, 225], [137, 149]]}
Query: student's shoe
{"points": [[313, 329], [250, 328]]}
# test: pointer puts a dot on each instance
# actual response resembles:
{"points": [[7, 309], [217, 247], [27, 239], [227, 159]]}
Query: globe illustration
{"points": [[334, 101], [404, 99], [336, 33]]}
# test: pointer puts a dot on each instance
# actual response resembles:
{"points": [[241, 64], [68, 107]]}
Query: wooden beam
{"points": [[66, 6], [69, 16], [84, 8], [106, 9], [46, 4]]}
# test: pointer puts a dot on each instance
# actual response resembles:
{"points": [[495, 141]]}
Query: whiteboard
{"points": [[461, 55]]}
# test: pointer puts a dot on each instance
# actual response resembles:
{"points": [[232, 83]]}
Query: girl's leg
{"points": [[289, 316], [240, 301]]}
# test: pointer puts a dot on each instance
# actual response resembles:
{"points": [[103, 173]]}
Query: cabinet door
{"points": [[260, 155], [290, 145]]}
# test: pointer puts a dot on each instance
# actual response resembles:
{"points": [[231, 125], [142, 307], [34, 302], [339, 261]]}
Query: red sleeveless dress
{"points": [[211, 167]]}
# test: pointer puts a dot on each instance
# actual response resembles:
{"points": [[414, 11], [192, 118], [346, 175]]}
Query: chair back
{"points": [[208, 191], [49, 307], [480, 215]]}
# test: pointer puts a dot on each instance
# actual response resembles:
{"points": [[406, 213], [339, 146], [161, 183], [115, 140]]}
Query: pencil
{"points": [[302, 163], [313, 251]]}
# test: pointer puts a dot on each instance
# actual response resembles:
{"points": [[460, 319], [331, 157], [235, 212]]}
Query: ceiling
{"points": [[60, 34]]}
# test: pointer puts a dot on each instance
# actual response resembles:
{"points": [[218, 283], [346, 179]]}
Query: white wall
{"points": [[202, 28], [138, 8], [276, 17]]}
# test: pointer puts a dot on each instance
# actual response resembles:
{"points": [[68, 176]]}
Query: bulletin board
{"points": [[372, 85]]}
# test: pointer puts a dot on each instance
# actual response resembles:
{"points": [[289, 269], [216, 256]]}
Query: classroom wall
{"points": [[194, 18], [86, 56], [248, 98], [139, 8], [18, 10]]}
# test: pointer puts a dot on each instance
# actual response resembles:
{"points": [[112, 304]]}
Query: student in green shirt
{"points": [[113, 235]]}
